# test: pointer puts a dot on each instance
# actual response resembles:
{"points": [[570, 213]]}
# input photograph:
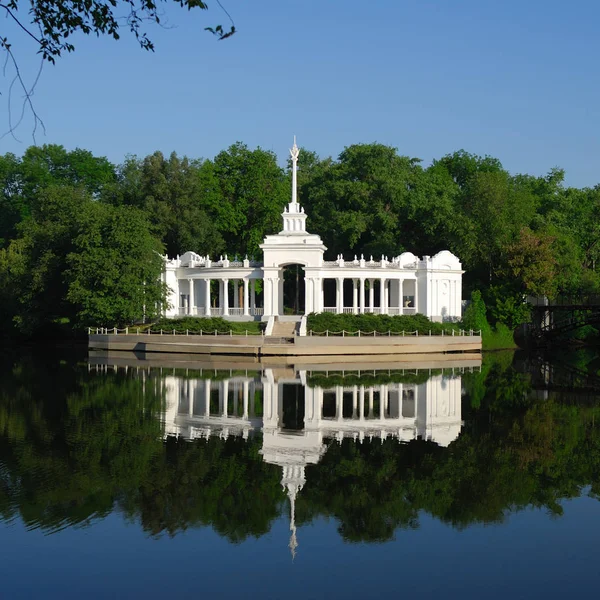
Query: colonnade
{"points": [[200, 304], [394, 297]]}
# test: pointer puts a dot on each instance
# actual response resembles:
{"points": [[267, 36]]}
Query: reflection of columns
{"points": [[207, 397], [225, 296], [225, 397], [361, 403], [192, 302], [370, 403], [362, 295], [339, 295], [354, 296], [371, 294], [381, 402], [354, 401], [190, 395], [245, 393], [339, 399], [207, 297], [246, 307]]}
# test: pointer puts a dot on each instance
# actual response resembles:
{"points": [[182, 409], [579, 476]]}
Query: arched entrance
{"points": [[294, 289]]}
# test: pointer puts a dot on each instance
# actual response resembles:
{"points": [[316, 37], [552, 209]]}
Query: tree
{"points": [[374, 201], [248, 191], [171, 193], [113, 272], [53, 25]]}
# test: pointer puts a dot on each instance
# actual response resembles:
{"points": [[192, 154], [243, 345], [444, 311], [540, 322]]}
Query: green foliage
{"points": [[368, 322], [54, 26], [515, 234], [208, 325], [114, 269], [475, 314]]}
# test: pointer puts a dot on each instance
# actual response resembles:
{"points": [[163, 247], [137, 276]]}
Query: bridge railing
{"points": [[584, 300]]}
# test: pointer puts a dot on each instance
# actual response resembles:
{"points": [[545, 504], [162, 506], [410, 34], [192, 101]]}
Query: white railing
{"points": [[348, 310], [330, 309], [139, 331], [257, 312], [236, 312], [430, 333]]}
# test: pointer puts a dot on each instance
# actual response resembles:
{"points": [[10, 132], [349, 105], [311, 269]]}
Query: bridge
{"points": [[552, 319]]}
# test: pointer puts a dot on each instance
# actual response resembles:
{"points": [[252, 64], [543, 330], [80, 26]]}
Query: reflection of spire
{"points": [[293, 481], [293, 541]]}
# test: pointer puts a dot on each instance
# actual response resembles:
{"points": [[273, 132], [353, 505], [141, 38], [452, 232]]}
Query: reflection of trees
{"points": [[513, 452], [75, 446]]}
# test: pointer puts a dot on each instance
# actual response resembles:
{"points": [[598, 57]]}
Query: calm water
{"points": [[133, 479]]}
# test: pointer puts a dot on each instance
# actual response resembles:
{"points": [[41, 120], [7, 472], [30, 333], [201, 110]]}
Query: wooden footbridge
{"points": [[551, 320]]}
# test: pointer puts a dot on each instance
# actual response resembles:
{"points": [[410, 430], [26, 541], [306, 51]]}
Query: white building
{"points": [[405, 284]]}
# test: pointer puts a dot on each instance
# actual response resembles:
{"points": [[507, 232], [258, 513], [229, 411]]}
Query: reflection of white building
{"points": [[296, 420], [405, 284]]}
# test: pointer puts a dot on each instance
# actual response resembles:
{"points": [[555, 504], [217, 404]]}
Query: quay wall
{"points": [[301, 346]]}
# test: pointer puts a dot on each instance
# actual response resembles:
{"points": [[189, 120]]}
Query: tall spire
{"points": [[294, 152]]}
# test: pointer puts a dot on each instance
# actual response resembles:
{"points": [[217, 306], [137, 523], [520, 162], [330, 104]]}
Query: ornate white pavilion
{"points": [[405, 284]]}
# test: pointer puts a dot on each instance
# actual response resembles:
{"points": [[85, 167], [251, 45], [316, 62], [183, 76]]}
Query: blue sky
{"points": [[514, 79]]}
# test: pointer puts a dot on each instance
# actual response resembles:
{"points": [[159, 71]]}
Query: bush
{"points": [[369, 322], [207, 325], [475, 315]]}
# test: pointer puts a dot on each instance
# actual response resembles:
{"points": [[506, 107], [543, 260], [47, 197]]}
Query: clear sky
{"points": [[516, 79]]}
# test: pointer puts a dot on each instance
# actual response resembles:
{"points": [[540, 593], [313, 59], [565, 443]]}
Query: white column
{"points": [[236, 294], [225, 296], [309, 295], [246, 306], [221, 295], [416, 302], [362, 295], [401, 295], [207, 297], [318, 303], [192, 302], [339, 295], [382, 310], [386, 295], [268, 296], [355, 296], [280, 310], [371, 294]]}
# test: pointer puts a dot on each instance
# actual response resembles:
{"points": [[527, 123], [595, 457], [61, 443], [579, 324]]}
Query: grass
{"points": [[500, 338]]}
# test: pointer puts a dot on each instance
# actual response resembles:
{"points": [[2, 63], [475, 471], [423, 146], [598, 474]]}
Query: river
{"points": [[131, 478]]}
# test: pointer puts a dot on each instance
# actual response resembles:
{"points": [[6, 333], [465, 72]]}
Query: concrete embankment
{"points": [[261, 346]]}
